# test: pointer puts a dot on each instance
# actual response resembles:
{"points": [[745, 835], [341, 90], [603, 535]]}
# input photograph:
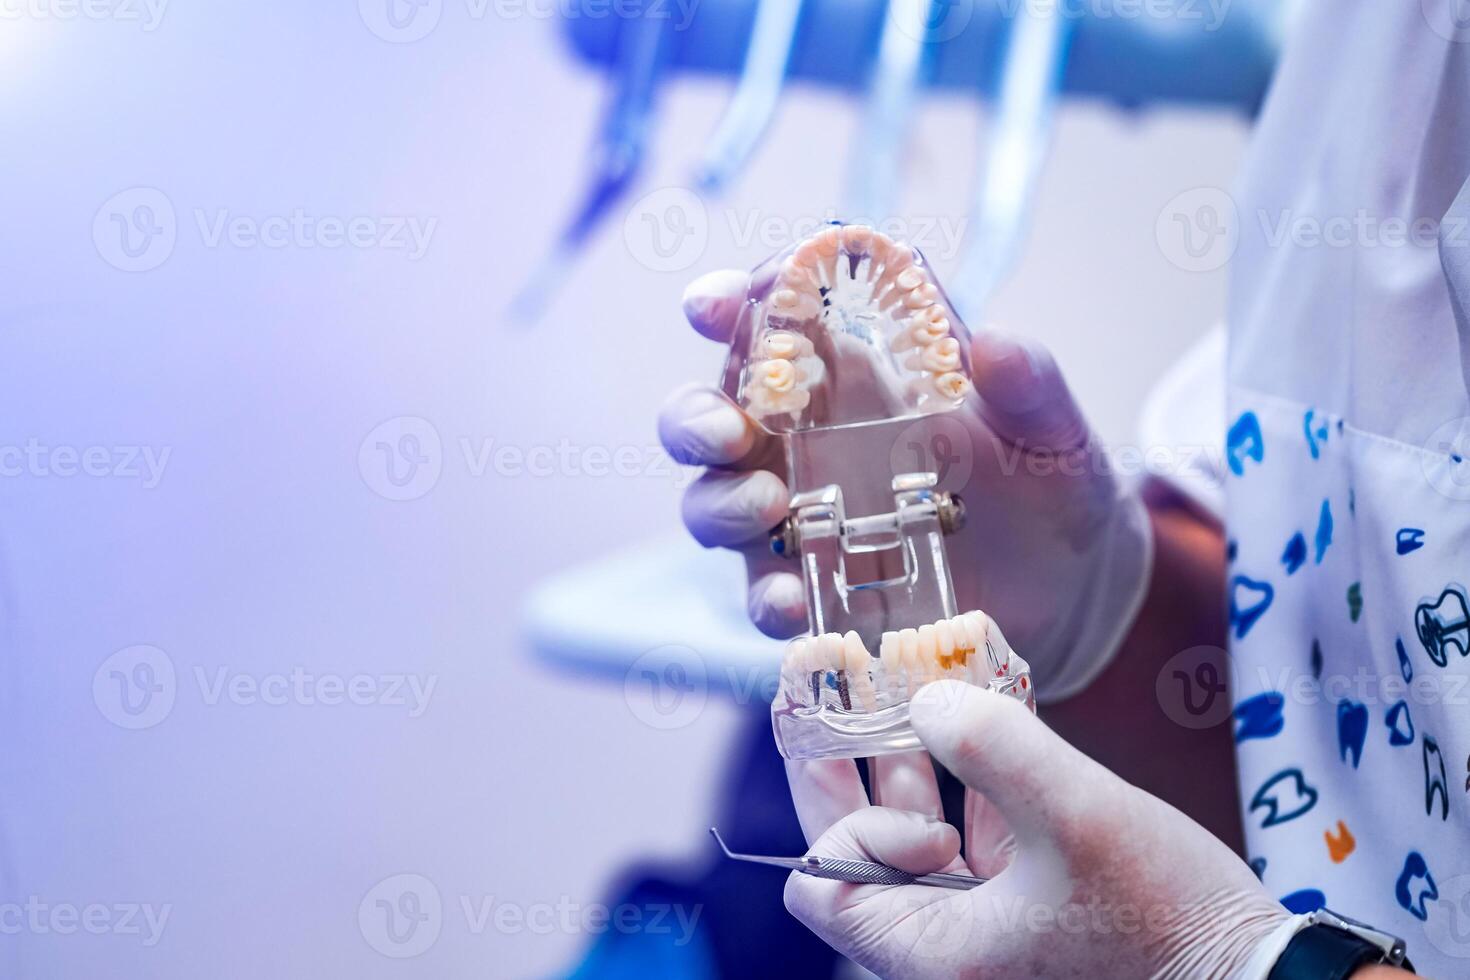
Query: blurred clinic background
{"points": [[347, 625]]}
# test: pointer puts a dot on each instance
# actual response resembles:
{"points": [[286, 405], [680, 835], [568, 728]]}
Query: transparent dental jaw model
{"points": [[847, 350]]}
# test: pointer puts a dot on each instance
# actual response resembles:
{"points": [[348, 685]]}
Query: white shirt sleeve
{"points": [[1181, 429]]}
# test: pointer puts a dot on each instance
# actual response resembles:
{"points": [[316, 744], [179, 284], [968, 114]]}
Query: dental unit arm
{"points": [[847, 349]]}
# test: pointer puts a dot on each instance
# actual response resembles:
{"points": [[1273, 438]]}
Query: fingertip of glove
{"points": [[712, 301], [958, 720], [1008, 371], [777, 605], [698, 427]]}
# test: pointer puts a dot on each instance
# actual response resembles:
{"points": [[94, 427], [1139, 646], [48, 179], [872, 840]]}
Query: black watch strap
{"points": [[1324, 952]]}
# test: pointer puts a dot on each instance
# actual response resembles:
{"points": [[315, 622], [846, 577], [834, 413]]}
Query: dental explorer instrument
{"points": [[857, 872], [771, 42]]}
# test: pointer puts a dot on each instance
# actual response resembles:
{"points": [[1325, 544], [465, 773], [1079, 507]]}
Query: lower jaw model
{"points": [[846, 350], [837, 700]]}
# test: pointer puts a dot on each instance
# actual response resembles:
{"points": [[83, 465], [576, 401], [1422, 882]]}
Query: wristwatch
{"points": [[1328, 946]]}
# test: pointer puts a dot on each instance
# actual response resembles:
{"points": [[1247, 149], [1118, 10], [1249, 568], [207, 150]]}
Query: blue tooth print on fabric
{"points": [[1400, 724], [1408, 540], [1258, 865], [1355, 601], [1295, 554], [1249, 599], [1260, 716], [1444, 625], [1352, 730], [1316, 660], [1406, 669], [1304, 901], [1316, 429], [1284, 797], [1243, 442], [1323, 539], [1435, 782], [1231, 550], [1352, 502], [1415, 887]]}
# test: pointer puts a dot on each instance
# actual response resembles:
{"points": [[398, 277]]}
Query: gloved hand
{"points": [[1100, 878], [1056, 546]]}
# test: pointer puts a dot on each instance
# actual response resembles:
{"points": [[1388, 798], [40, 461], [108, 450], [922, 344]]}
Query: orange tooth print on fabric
{"points": [[1341, 845]]}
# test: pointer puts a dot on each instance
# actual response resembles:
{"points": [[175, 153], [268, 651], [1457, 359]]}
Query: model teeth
{"points": [[921, 296], [940, 357], [787, 346], [799, 276], [792, 304], [952, 386], [857, 239], [838, 671], [856, 663], [872, 298]]}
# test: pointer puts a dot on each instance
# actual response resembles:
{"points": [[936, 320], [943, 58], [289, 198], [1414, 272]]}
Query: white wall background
{"points": [[262, 548]]}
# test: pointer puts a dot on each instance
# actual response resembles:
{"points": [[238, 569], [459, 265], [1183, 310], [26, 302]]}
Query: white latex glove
{"points": [[1100, 880], [1056, 546]]}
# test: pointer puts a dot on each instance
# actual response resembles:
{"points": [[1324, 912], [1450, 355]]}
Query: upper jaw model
{"points": [[846, 348]]}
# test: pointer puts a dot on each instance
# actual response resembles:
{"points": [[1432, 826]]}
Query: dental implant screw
{"points": [[951, 509]]}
